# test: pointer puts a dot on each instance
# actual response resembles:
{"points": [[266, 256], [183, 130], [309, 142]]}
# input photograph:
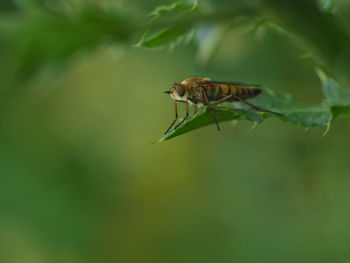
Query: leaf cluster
{"points": [[34, 33]]}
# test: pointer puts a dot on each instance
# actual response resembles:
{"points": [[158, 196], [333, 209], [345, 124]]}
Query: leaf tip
{"points": [[320, 73], [328, 127], [253, 127]]}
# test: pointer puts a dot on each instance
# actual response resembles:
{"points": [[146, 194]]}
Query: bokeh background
{"points": [[82, 181]]}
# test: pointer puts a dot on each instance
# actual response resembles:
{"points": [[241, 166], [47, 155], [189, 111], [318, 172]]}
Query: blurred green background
{"points": [[82, 181]]}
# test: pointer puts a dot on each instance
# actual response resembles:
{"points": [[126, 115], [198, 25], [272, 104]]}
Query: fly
{"points": [[203, 91]]}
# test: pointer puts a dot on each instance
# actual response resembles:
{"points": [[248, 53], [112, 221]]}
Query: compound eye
{"points": [[180, 91]]}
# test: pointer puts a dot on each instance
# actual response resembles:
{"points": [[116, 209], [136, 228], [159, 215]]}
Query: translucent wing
{"points": [[233, 83]]}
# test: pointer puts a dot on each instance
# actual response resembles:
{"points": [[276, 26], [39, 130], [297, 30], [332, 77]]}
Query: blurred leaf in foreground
{"points": [[337, 97], [165, 27], [41, 37], [325, 5], [208, 38], [294, 113]]}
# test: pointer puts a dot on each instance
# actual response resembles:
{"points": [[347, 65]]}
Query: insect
{"points": [[200, 91]]}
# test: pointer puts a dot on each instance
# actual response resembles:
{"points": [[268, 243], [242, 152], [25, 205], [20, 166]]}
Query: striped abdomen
{"points": [[216, 91]]}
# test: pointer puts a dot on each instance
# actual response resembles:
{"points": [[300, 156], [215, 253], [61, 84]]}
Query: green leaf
{"points": [[294, 112], [204, 118], [165, 37], [173, 11], [337, 97], [167, 26], [325, 5]]}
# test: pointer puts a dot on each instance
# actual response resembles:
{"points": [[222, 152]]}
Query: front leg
{"points": [[176, 116], [186, 117]]}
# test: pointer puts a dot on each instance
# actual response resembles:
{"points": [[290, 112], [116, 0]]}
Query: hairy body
{"points": [[192, 89]]}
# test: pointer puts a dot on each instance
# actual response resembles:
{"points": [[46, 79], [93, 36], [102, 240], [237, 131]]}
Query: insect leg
{"points": [[176, 116], [222, 100], [257, 108], [207, 102], [186, 117]]}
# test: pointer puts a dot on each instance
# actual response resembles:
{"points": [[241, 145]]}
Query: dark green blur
{"points": [[81, 179]]}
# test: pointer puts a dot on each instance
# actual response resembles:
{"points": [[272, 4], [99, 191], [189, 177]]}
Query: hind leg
{"points": [[256, 108], [222, 100]]}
